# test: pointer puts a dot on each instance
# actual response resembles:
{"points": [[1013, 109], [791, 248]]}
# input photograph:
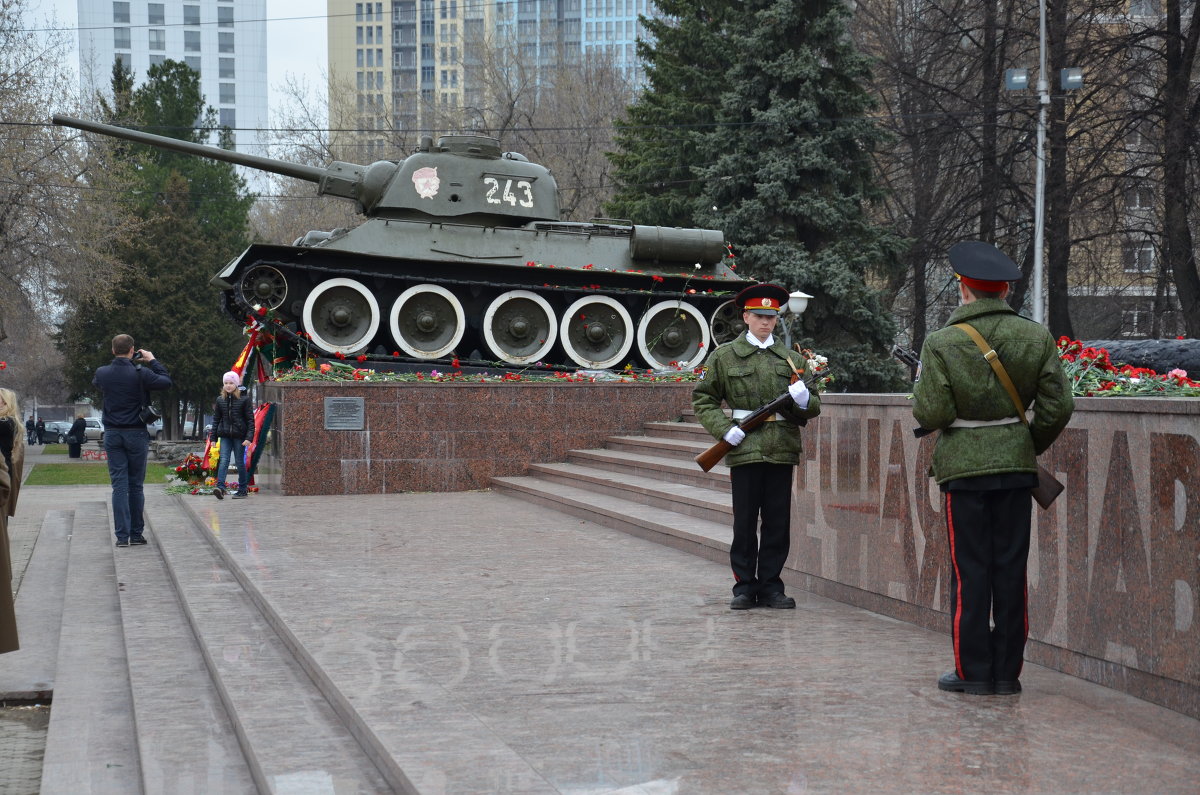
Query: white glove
{"points": [[734, 435], [799, 393]]}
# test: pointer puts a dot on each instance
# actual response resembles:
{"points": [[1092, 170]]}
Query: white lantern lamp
{"points": [[798, 302]]}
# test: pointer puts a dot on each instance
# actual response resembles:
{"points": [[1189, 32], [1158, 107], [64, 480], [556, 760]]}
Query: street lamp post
{"points": [[1039, 201], [1017, 80]]}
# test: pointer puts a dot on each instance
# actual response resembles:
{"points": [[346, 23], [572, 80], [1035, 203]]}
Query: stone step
{"points": [[675, 470], [694, 501], [186, 744], [291, 737], [27, 675], [692, 431], [408, 722], [91, 744], [684, 449], [703, 537]]}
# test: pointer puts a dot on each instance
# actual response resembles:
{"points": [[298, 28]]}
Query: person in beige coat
{"points": [[12, 461]]}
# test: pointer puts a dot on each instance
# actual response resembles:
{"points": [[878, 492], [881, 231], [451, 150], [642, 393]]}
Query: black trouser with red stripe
{"points": [[989, 547], [760, 490]]}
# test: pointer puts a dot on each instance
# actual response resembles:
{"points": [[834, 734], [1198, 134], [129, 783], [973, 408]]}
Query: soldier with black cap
{"points": [[985, 460], [748, 372]]}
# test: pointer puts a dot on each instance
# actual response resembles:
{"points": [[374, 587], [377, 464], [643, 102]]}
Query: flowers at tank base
{"points": [[192, 470], [337, 371], [816, 368], [1092, 373]]}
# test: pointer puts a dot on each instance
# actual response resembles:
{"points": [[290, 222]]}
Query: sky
{"points": [[296, 42]]}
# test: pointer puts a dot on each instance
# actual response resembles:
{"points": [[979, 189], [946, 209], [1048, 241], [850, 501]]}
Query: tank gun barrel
{"points": [[308, 173]]}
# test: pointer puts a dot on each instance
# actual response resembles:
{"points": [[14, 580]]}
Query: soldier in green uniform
{"points": [[985, 462], [747, 373]]}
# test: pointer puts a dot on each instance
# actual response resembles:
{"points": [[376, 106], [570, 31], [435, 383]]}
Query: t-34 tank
{"points": [[463, 254]]}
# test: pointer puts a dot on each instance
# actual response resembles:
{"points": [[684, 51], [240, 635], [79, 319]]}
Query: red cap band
{"points": [[983, 285], [762, 303]]}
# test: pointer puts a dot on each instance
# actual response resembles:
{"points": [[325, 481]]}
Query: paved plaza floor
{"points": [[476, 632]]}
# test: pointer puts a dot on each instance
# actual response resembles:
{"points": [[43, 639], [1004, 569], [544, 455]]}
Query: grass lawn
{"points": [[87, 474]]}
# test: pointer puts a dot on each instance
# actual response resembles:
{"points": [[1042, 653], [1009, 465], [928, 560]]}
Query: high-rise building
{"points": [[360, 76], [611, 27], [403, 68], [224, 40]]}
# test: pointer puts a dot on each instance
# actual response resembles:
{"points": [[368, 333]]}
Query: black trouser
{"points": [[760, 490], [989, 547]]}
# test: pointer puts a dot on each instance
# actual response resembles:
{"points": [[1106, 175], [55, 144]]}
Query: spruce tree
{"points": [[778, 157], [687, 60], [790, 174], [191, 216]]}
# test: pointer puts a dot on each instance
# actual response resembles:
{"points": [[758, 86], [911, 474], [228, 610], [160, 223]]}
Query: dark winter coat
{"points": [[233, 418], [78, 431], [11, 466], [126, 388]]}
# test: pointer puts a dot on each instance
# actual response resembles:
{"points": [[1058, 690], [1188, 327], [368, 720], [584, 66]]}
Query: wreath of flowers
{"points": [[197, 478], [193, 471]]}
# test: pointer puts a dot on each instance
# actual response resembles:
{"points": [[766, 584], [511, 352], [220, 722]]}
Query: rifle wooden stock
{"points": [[713, 455]]}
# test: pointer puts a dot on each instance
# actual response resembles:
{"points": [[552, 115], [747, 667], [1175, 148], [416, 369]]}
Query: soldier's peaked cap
{"points": [[974, 259], [763, 299]]}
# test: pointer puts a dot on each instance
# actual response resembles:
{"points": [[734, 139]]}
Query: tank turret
{"points": [[462, 254]]}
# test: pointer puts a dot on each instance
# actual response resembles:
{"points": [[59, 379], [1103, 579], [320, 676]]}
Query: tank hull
{"points": [[560, 295]]}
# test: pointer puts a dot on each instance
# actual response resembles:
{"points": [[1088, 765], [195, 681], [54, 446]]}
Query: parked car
{"points": [[56, 431], [155, 429], [93, 429]]}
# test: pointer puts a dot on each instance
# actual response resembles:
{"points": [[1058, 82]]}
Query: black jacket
{"points": [[8, 436], [78, 430], [233, 418], [126, 387]]}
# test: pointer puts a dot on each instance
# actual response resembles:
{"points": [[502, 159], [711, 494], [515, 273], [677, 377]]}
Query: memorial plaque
{"points": [[345, 413]]}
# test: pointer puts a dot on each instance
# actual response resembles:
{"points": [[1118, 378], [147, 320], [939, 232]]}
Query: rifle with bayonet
{"points": [[713, 455], [908, 358], [913, 362]]}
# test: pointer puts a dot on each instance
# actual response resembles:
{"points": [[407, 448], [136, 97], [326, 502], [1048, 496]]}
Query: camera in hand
{"points": [[137, 355]]}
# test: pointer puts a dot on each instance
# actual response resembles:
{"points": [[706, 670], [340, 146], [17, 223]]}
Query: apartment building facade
{"points": [[224, 40], [400, 69]]}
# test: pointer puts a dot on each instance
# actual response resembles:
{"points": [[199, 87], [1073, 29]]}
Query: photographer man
{"points": [[125, 385]]}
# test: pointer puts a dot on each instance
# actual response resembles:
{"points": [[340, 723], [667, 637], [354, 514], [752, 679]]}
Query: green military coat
{"points": [[958, 383], [745, 376]]}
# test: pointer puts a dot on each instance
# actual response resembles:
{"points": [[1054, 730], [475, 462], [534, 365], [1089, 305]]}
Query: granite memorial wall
{"points": [[1114, 567]]}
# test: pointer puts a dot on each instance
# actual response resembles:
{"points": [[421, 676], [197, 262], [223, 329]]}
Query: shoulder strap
{"points": [[993, 359], [142, 384]]}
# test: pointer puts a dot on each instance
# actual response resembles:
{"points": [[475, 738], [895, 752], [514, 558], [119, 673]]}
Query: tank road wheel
{"points": [[265, 286], [672, 333], [596, 332], [726, 323], [427, 321], [341, 315], [519, 327]]}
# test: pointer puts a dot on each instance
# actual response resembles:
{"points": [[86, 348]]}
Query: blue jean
{"points": [[127, 451], [228, 446]]}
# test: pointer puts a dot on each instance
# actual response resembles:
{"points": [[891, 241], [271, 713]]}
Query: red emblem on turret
{"points": [[426, 182]]}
